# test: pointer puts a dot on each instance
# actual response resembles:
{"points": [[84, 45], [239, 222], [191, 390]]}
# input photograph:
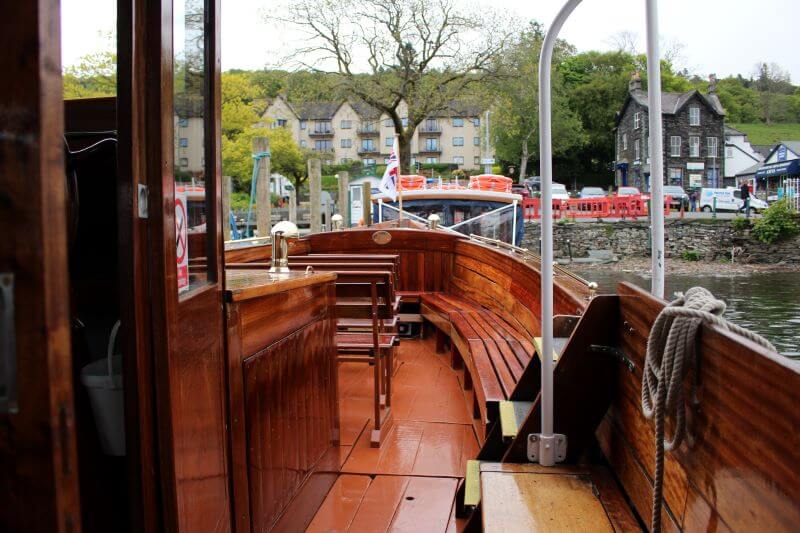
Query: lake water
{"points": [[768, 304]]}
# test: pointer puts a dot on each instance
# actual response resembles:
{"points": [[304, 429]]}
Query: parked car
{"points": [[728, 199], [628, 191], [592, 192], [560, 192], [678, 196], [631, 191], [520, 189]]}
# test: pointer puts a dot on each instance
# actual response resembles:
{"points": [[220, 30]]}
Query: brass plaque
{"points": [[382, 237]]}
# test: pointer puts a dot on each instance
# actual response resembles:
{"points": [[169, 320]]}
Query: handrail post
{"points": [[546, 454], [656, 150]]}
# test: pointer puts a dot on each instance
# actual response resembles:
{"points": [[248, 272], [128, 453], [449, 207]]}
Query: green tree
{"points": [[516, 118], [94, 76]]}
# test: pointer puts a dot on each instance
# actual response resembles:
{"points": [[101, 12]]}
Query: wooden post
{"points": [[315, 193], [344, 197], [293, 206], [367, 203], [263, 197], [226, 207]]}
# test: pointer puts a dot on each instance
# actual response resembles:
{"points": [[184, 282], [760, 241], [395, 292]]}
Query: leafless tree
{"points": [[390, 53]]}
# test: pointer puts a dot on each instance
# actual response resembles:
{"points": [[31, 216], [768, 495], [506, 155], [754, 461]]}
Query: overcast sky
{"points": [[722, 36]]}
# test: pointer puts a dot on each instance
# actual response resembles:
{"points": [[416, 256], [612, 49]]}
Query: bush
{"points": [[740, 224], [779, 221], [691, 255]]}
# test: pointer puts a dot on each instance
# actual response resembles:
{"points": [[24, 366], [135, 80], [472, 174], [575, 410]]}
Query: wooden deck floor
{"points": [[409, 483]]}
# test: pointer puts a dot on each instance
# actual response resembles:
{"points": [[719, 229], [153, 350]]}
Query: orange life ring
{"points": [[412, 183], [490, 182]]}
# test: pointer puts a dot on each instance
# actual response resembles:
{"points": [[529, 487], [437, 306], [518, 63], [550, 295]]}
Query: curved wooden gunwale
{"points": [[432, 261]]}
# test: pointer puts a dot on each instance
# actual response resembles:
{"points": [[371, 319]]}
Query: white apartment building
{"points": [[343, 132]]}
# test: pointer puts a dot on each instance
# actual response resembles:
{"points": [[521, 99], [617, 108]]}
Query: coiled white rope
{"points": [[670, 346]]}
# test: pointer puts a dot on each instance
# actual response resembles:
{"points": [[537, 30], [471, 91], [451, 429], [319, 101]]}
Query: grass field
{"points": [[769, 133]]}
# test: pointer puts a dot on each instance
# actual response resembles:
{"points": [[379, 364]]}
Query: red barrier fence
{"points": [[609, 207]]}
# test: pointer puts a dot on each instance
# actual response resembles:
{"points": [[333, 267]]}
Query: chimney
{"points": [[712, 83], [636, 82]]}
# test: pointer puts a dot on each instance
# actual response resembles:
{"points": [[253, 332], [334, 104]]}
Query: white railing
{"points": [[790, 189]]}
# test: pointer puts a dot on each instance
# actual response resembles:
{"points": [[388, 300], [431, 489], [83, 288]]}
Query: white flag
{"points": [[388, 184]]}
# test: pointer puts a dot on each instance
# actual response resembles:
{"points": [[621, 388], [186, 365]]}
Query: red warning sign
{"points": [[182, 241]]}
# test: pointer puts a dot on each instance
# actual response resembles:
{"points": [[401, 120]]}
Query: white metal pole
{"points": [[514, 225], [380, 210], [547, 450], [656, 152]]}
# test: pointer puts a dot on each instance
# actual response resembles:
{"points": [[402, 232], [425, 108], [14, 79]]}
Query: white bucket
{"points": [[103, 381]]}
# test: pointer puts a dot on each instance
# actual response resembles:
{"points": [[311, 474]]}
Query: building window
{"points": [[728, 152], [624, 141], [184, 162], [458, 141], [323, 145], [459, 160], [694, 116], [322, 126], [281, 122], [302, 124], [477, 122], [367, 145], [675, 146], [184, 142], [431, 160], [637, 120], [694, 146], [183, 122], [368, 161], [404, 121], [389, 123], [476, 160], [458, 122], [676, 176], [346, 124], [346, 143], [476, 141], [636, 150], [431, 143], [303, 144], [389, 141], [711, 143], [369, 126]]}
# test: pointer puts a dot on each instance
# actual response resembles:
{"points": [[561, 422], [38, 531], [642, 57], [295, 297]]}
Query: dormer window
{"points": [[637, 120], [694, 116]]}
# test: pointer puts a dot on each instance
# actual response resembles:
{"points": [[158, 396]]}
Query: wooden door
{"points": [[38, 460], [181, 65]]}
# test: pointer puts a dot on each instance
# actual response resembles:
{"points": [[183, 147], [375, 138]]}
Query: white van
{"points": [[728, 199]]}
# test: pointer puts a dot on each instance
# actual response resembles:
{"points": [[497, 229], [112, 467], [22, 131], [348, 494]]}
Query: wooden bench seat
{"points": [[363, 341], [494, 353]]}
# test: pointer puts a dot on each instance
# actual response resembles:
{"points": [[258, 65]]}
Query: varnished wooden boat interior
{"points": [[238, 414]]}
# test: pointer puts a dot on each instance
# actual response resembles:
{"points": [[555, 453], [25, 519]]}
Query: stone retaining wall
{"points": [[711, 240]]}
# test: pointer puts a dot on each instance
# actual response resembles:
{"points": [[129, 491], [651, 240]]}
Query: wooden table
{"points": [[284, 411]]}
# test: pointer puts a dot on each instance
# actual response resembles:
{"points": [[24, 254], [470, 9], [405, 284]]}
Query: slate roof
{"points": [[316, 110], [763, 149], [733, 131], [749, 170], [671, 103], [365, 110]]}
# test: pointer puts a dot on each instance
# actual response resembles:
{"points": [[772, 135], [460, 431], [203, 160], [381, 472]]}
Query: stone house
{"points": [[694, 138], [347, 131]]}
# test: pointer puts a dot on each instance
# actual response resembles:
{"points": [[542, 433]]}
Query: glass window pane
{"points": [[191, 200]]}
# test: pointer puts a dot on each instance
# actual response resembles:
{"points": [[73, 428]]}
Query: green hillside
{"points": [[759, 133]]}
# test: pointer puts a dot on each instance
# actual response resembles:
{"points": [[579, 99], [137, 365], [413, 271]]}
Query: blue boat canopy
{"points": [[789, 168]]}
